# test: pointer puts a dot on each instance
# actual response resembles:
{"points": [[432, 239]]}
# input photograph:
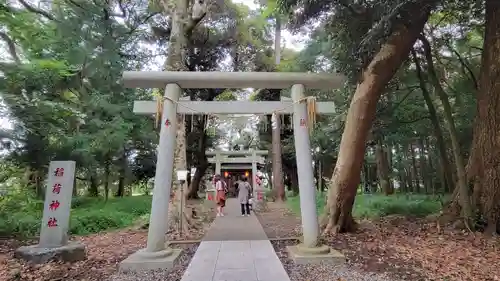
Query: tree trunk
{"points": [[484, 162], [450, 126], [94, 186], [182, 26], [415, 175], [107, 172], [360, 117], [423, 166], [196, 180], [278, 185], [120, 191], [438, 132], [294, 179], [382, 168]]}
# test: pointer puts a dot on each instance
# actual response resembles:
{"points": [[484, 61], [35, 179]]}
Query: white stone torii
{"points": [[157, 254]]}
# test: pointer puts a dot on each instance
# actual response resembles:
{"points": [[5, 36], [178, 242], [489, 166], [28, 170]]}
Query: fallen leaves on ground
{"points": [[410, 249], [104, 252], [278, 221]]}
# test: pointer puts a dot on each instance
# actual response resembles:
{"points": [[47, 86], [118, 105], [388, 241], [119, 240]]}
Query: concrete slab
{"points": [[234, 227], [301, 257], [270, 269], [242, 253], [235, 275], [70, 252], [142, 260]]}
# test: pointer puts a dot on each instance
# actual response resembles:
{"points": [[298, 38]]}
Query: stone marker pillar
{"points": [[53, 244], [157, 255], [309, 250]]}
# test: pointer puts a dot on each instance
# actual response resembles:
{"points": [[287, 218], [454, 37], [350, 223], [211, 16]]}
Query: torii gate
{"points": [[254, 155], [156, 254]]}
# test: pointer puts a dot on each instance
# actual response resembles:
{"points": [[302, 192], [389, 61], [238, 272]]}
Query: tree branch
{"points": [[464, 65], [11, 46], [198, 12], [36, 11]]}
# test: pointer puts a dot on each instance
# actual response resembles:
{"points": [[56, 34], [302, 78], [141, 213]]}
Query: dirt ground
{"points": [[392, 249], [104, 252]]}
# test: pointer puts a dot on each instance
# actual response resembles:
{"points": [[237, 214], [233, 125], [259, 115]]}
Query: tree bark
{"points": [[278, 184], [385, 63], [182, 28], [484, 160], [383, 168]]}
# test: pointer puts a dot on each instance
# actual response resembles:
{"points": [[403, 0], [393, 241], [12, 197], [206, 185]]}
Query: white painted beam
{"points": [[222, 80], [242, 160], [231, 107], [242, 167], [236, 152]]}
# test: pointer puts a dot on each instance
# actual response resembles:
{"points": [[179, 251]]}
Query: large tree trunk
{"points": [[278, 184], [485, 153], [450, 126], [182, 27], [338, 211]]}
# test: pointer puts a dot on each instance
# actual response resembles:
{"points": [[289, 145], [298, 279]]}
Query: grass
{"points": [[21, 216], [379, 205]]}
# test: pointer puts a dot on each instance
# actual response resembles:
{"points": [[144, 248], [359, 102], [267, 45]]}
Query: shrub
{"points": [[377, 205], [21, 215]]}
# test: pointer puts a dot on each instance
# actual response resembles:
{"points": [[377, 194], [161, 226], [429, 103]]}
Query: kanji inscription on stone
{"points": [[59, 172], [56, 189], [54, 205], [55, 222], [167, 123], [52, 222]]}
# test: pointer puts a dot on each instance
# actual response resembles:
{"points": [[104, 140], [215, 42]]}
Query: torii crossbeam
{"points": [[173, 82]]}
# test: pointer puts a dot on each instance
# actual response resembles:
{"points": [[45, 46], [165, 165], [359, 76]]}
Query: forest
{"points": [[412, 144]]}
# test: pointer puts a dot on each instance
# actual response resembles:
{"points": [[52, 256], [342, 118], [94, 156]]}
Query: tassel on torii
{"points": [[159, 107], [311, 112]]}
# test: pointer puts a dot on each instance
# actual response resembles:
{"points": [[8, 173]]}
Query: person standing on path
{"points": [[220, 198], [244, 191]]}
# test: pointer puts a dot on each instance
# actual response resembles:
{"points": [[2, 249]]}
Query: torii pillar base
{"points": [[147, 261], [301, 254]]}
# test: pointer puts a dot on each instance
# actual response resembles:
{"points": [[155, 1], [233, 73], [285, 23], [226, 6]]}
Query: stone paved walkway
{"points": [[235, 249]]}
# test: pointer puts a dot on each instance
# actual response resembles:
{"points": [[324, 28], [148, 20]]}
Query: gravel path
{"points": [[323, 272], [175, 274]]}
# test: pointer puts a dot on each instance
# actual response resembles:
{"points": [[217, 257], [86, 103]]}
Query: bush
{"points": [[377, 205], [21, 215]]}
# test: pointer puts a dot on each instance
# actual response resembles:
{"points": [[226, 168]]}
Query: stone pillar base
{"points": [[142, 260], [305, 255], [70, 252]]}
